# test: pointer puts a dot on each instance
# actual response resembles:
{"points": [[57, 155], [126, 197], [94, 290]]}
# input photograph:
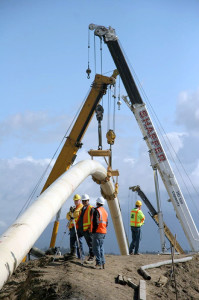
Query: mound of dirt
{"points": [[47, 279]]}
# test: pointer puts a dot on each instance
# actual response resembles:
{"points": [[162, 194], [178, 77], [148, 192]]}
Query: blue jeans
{"points": [[73, 242], [136, 231], [88, 237], [98, 249]]}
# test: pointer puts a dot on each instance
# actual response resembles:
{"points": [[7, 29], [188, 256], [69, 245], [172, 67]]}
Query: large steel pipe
{"points": [[16, 242], [116, 216]]}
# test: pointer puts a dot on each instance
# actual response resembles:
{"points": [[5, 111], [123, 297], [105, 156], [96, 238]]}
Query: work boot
{"points": [[70, 255], [90, 260], [98, 267], [103, 266]]}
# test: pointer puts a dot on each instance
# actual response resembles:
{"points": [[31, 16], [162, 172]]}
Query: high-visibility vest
{"points": [[75, 215], [87, 218], [103, 219], [137, 218]]}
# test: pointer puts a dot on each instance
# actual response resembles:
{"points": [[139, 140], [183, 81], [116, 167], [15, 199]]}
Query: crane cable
{"points": [[88, 71], [108, 111], [101, 54], [94, 54], [111, 107], [30, 198]]}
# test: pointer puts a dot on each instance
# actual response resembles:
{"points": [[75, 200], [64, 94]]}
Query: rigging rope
{"points": [[114, 105], [108, 114], [94, 54], [101, 54], [88, 46]]}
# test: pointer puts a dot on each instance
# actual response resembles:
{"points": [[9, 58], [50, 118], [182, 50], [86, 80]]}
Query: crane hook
{"points": [[88, 71]]}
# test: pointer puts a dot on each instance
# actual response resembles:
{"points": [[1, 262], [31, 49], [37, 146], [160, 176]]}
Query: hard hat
{"points": [[76, 197], [85, 197], [100, 200], [138, 203]]}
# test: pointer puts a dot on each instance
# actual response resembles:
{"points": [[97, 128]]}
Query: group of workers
{"points": [[91, 223]]}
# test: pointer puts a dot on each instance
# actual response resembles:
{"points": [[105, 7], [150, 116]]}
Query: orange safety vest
{"points": [[87, 218], [103, 219], [137, 218]]}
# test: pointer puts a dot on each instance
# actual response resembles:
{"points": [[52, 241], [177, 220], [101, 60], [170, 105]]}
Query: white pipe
{"points": [[161, 263], [16, 242], [116, 218]]}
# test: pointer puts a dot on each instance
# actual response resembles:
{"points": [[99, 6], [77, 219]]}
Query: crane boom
{"points": [[157, 153], [73, 141]]}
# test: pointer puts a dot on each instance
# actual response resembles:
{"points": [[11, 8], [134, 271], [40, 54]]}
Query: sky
{"points": [[43, 81]]}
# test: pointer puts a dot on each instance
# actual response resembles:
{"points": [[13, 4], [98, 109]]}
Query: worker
{"points": [[72, 216], [136, 221], [84, 225], [99, 225]]}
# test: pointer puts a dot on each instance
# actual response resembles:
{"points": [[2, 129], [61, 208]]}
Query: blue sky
{"points": [[43, 82]]}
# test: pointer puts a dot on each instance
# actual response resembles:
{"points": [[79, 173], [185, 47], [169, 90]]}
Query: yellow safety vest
{"points": [[75, 215], [137, 218]]}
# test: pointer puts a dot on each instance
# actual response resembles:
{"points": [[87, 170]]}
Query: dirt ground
{"points": [[46, 279]]}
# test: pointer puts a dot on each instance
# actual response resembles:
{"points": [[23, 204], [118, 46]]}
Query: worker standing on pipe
{"points": [[136, 221], [72, 216], [98, 227], [84, 225]]}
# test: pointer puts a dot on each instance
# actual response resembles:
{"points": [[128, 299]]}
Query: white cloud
{"points": [[14, 162], [195, 174], [129, 160], [187, 111], [18, 179], [173, 143], [33, 126], [23, 121]]}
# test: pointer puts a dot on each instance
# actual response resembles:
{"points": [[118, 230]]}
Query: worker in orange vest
{"points": [[136, 221], [84, 226], [72, 216], [99, 225]]}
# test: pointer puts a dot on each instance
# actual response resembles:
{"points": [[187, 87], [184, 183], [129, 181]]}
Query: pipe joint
{"points": [[103, 181]]}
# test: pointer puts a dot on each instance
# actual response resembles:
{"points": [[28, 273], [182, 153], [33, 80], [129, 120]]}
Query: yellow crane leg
{"points": [[54, 234], [170, 237]]}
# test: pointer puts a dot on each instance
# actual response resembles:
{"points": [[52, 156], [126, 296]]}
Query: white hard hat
{"points": [[100, 200], [85, 197]]}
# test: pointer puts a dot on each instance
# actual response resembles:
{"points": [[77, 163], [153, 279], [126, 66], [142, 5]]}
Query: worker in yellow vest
{"points": [[98, 227], [136, 221], [72, 216], [84, 225]]}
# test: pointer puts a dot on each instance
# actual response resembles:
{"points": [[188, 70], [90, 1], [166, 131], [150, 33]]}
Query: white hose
{"points": [[158, 264]]}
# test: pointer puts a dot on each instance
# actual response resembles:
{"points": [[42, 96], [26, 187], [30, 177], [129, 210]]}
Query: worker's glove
{"points": [[72, 209]]}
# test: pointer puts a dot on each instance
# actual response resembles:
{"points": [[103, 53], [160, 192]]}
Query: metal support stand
{"points": [[160, 215], [78, 242]]}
